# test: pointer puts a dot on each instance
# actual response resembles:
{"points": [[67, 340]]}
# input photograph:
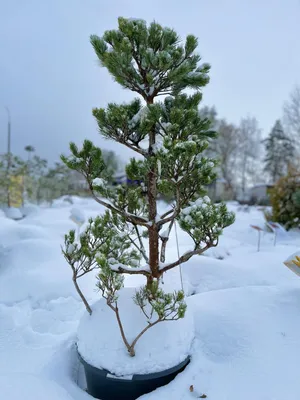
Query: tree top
{"points": [[150, 60]]}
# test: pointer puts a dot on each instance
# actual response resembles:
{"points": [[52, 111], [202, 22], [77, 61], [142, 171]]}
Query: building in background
{"points": [[219, 190], [260, 194]]}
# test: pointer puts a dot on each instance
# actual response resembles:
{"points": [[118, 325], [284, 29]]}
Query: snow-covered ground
{"points": [[246, 307]]}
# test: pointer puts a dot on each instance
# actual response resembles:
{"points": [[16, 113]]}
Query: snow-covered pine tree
{"points": [[279, 150], [169, 137]]}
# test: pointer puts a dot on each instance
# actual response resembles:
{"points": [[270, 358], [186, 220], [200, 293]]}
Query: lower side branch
{"points": [[185, 257], [87, 306]]}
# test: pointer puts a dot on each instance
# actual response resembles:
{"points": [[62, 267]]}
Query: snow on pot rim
{"points": [[163, 346]]}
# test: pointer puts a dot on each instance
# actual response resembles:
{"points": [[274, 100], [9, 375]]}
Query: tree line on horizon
{"points": [[245, 158]]}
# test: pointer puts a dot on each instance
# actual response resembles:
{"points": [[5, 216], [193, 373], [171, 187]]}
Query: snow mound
{"points": [[220, 252], [13, 213], [67, 201], [161, 347], [13, 232], [246, 346], [32, 266], [30, 387], [77, 216], [30, 209]]}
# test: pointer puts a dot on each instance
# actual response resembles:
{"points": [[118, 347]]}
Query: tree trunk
{"points": [[153, 230], [152, 195], [149, 281]]}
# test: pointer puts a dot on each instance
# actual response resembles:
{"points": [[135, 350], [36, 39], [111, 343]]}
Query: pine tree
{"points": [[279, 152], [170, 136]]}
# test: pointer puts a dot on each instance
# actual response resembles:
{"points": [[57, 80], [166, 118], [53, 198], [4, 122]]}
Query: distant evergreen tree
{"points": [[279, 152]]}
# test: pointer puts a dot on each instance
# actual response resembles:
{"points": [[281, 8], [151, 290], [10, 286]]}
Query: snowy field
{"points": [[246, 307]]}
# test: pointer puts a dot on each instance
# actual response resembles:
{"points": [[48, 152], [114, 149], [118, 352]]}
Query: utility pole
{"points": [[8, 155]]}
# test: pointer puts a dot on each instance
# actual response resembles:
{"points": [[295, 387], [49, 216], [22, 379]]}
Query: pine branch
{"points": [[162, 304], [85, 302], [150, 325], [169, 219], [129, 217], [167, 213], [142, 248], [132, 241], [116, 311], [134, 147], [130, 270], [74, 279], [164, 240], [87, 271], [165, 219], [141, 70], [125, 141], [172, 221], [184, 258], [166, 93], [144, 312], [110, 299]]}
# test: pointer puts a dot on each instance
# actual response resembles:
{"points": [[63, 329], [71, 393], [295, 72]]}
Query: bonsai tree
{"points": [[169, 137]]}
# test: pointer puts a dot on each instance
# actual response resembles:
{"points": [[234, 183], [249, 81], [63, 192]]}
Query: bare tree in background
{"points": [[249, 152], [291, 116], [227, 147], [238, 149]]}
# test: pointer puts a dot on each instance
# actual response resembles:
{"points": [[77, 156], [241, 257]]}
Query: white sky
{"points": [[50, 79]]}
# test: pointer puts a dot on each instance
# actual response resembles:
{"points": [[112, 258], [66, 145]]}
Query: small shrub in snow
{"points": [[170, 137], [285, 200]]}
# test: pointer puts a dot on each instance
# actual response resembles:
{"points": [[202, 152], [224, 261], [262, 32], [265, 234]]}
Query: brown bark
{"points": [[128, 346], [153, 238], [142, 248], [87, 306], [152, 195], [132, 271], [164, 242], [149, 281], [150, 325]]}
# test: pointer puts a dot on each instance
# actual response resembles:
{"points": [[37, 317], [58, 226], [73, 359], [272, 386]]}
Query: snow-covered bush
{"points": [[170, 137], [285, 200]]}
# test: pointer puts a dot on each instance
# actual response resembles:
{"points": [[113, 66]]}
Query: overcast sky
{"points": [[50, 79]]}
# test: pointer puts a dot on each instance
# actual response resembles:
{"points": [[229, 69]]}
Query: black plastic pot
{"points": [[103, 385]]}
